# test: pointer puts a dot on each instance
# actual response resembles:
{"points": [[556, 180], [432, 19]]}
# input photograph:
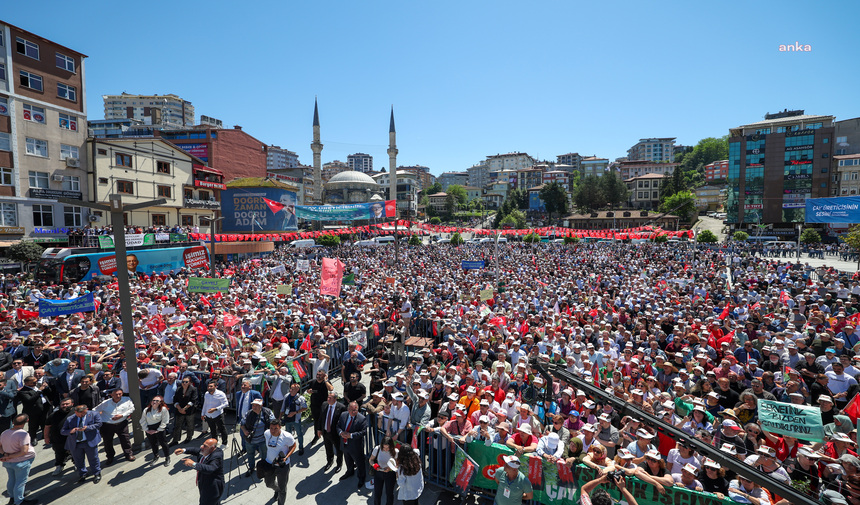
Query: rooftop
{"points": [[789, 119], [259, 182], [645, 176]]}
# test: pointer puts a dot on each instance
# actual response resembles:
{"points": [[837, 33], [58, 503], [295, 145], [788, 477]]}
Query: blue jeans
{"points": [[252, 449], [17, 479], [297, 427]]}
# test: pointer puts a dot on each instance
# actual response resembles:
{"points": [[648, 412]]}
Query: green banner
{"points": [[284, 289], [208, 285], [800, 421], [555, 484], [131, 240]]}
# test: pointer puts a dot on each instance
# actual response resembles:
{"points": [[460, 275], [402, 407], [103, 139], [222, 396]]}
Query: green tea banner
{"points": [[208, 285], [800, 421]]}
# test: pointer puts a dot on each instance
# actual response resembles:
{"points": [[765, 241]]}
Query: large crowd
{"points": [[692, 337]]}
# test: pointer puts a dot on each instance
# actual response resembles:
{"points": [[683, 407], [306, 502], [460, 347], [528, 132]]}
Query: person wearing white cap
{"points": [[687, 478], [399, 417], [514, 487], [482, 431], [550, 447], [641, 445], [682, 454], [523, 441]]}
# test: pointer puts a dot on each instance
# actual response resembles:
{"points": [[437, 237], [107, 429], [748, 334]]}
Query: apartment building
{"points": [[170, 111]]}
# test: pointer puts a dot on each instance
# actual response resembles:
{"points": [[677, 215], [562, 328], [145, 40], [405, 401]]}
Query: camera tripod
{"points": [[236, 464]]}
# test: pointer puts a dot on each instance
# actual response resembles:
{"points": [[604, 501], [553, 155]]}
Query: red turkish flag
{"points": [[274, 206]]}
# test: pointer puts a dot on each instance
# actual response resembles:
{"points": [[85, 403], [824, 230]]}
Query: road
{"points": [[716, 226]]}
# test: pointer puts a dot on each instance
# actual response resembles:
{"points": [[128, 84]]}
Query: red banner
{"points": [[332, 276]]}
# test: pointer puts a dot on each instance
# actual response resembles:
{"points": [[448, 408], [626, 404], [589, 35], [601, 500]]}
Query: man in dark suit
{"points": [[34, 404], [108, 383], [242, 401], [327, 429], [351, 429], [185, 403], [83, 439], [69, 380], [210, 470]]}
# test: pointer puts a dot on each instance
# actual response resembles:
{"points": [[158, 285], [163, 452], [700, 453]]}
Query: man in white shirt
{"points": [[399, 417], [280, 445], [115, 413], [214, 403]]}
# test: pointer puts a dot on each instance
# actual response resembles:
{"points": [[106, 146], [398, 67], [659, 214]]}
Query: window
{"points": [[27, 48], [162, 167], [159, 220], [34, 114], [65, 62], [38, 179], [187, 193], [43, 215], [72, 183], [842, 140], [67, 151], [6, 176], [5, 141], [126, 187], [123, 160], [36, 147], [73, 216], [67, 92], [825, 140], [204, 195], [187, 220], [31, 81], [68, 122], [2, 72], [4, 106], [8, 214], [103, 180], [164, 191]]}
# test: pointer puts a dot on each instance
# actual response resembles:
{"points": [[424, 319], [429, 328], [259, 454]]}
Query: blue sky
{"points": [[469, 78]]}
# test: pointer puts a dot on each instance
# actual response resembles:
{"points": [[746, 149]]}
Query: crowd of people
{"points": [[694, 338]]}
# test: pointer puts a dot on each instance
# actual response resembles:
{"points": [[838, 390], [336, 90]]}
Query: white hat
{"points": [[552, 441], [526, 428], [512, 461], [258, 401]]}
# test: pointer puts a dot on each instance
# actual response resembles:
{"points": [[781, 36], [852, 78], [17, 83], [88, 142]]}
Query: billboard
{"points": [[199, 150], [840, 209], [245, 209], [373, 211]]}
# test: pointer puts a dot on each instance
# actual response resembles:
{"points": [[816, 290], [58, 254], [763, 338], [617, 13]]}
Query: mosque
{"points": [[351, 186]]}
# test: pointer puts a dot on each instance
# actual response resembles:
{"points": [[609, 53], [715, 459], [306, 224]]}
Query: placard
{"points": [[284, 289], [486, 294], [208, 285]]}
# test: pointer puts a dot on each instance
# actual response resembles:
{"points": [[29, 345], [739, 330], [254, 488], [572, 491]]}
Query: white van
{"points": [[502, 240], [376, 241], [302, 244]]}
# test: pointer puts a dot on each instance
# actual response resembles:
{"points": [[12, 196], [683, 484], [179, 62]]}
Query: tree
{"points": [[435, 220], [571, 240], [25, 251], [554, 198], [667, 186], [433, 189], [741, 236], [516, 219], [810, 236], [532, 238], [706, 237], [661, 239], [682, 204], [852, 238], [415, 240], [589, 194], [519, 199], [459, 193], [707, 150], [328, 240], [456, 239], [614, 189], [450, 206]]}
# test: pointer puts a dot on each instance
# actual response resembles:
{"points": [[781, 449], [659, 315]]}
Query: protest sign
{"points": [[303, 265], [332, 276], [208, 285], [279, 269], [284, 289], [472, 265], [486, 294], [800, 421], [54, 308]]}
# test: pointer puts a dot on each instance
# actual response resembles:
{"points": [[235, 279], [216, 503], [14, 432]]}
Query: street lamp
{"points": [[117, 209], [212, 220]]}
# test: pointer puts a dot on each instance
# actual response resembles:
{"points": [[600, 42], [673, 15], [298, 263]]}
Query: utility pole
{"points": [[117, 209], [212, 220]]}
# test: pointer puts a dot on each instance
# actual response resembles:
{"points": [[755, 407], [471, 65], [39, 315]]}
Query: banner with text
{"points": [[472, 265], [373, 211], [54, 308], [800, 421], [208, 285], [839, 209]]}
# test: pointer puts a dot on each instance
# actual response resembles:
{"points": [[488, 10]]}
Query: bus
{"points": [[82, 264], [762, 239]]}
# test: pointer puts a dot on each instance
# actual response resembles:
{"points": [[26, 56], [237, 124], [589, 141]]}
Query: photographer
{"points": [[601, 496], [280, 445], [253, 427]]}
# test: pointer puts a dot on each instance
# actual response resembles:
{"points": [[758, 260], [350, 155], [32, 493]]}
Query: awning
{"points": [[201, 168]]}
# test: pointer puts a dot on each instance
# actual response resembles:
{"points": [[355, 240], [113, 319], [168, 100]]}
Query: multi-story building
{"points": [[847, 136], [634, 168], [509, 161], [145, 169], [655, 149], [167, 110], [593, 165], [449, 178], [528, 178], [231, 149], [408, 186], [333, 168], [295, 177], [478, 175], [775, 165], [425, 178], [569, 160], [119, 128], [644, 191], [560, 176], [716, 171], [360, 162], [43, 119], [280, 159], [472, 193], [848, 172], [710, 198], [437, 201]]}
